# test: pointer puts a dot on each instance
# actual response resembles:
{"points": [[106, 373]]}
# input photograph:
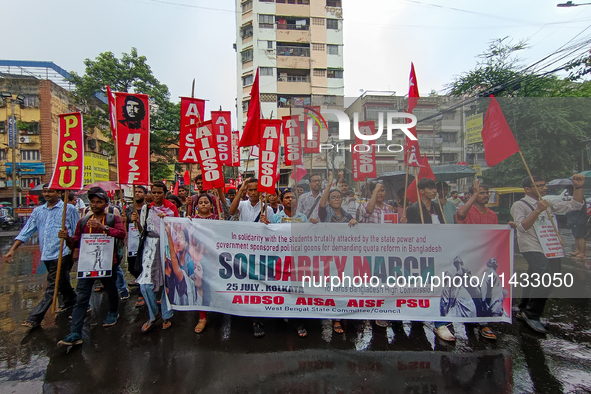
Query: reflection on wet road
{"points": [[403, 358]]}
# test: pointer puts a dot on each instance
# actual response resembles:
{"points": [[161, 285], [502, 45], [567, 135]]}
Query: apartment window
{"points": [[267, 1], [319, 73], [292, 50], [30, 155], [449, 115], [449, 137], [246, 31], [318, 47], [266, 21], [318, 21], [303, 1], [332, 49], [3, 155], [247, 6], [335, 73], [246, 55], [26, 182], [245, 105], [333, 3], [332, 24], [266, 71], [269, 44], [247, 80], [448, 157]]}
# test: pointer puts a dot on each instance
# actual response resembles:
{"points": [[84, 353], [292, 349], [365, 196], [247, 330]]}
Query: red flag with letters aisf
{"points": [[499, 142]]}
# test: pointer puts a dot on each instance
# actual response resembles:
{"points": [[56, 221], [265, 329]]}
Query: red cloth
{"points": [[499, 142], [112, 113], [424, 172], [251, 134], [187, 178], [413, 89], [474, 216]]}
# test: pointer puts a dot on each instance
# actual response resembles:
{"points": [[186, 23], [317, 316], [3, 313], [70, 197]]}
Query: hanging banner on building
{"points": [[95, 259], [269, 154], [364, 156], [235, 149], [313, 122], [206, 145], [292, 140], [133, 139], [336, 271], [96, 168], [474, 125], [68, 172], [222, 128], [192, 113]]}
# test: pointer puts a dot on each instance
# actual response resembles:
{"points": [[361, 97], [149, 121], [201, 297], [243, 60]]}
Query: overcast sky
{"points": [[186, 39]]}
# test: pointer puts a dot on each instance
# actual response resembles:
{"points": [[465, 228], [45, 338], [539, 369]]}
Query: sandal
{"points": [[140, 302], [487, 333], [336, 326], [147, 327], [100, 287], [258, 330], [30, 324], [200, 326], [302, 332], [166, 324]]}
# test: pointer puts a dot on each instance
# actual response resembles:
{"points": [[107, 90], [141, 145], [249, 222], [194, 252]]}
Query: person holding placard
{"points": [[98, 229]]}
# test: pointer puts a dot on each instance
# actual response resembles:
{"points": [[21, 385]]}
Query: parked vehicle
{"points": [[7, 222], [501, 199]]}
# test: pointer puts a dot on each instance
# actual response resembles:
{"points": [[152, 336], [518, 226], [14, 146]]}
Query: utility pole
{"points": [[13, 147]]}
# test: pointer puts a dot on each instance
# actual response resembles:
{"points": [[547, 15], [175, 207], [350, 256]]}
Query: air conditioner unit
{"points": [[25, 140]]}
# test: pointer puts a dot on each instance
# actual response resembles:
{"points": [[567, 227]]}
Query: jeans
{"points": [[85, 288], [150, 297], [65, 289], [440, 324], [533, 299], [121, 285]]}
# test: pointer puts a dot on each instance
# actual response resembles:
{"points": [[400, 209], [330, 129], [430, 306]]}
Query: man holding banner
{"points": [[108, 227]]}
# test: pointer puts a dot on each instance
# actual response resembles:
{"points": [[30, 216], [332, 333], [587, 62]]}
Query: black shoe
{"points": [[535, 325], [259, 332]]}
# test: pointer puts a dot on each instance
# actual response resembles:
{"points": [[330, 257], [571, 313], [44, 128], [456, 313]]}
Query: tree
{"points": [[546, 118], [130, 74]]}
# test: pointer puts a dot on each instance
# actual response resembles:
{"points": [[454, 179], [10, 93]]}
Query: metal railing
{"points": [[293, 51]]}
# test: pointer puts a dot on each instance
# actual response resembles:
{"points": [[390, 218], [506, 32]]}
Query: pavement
{"points": [[403, 358]]}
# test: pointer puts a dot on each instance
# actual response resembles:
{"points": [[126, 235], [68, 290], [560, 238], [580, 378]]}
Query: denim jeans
{"points": [[85, 288], [121, 285], [152, 302], [65, 289], [533, 299]]}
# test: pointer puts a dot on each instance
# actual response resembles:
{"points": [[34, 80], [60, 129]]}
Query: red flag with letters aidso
{"points": [[133, 138], [206, 146], [364, 156], [312, 119], [68, 172], [192, 112], [292, 140], [221, 121], [235, 149], [269, 154], [499, 142]]}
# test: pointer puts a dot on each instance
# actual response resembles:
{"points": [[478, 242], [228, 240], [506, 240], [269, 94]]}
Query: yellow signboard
{"points": [[96, 168], [476, 167], [474, 129]]}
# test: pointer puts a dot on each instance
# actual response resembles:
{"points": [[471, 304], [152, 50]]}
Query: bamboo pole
{"points": [[419, 195], [405, 191], [540, 197], [59, 259], [218, 204]]}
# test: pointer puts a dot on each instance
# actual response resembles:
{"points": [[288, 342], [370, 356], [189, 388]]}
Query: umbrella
{"points": [[451, 172], [560, 182], [394, 181], [108, 186], [36, 191], [5, 203]]}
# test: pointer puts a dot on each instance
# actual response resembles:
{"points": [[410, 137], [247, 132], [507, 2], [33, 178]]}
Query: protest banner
{"points": [[312, 120], [364, 155], [96, 256], [68, 172], [133, 139], [221, 123], [269, 154], [206, 146], [133, 240], [192, 112], [292, 140], [335, 271]]}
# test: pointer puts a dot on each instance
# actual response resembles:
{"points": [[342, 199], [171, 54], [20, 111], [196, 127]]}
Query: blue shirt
{"points": [[282, 217], [48, 221]]}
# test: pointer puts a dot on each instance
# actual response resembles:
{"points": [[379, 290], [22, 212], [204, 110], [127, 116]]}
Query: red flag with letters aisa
{"points": [[424, 172], [250, 134], [499, 142]]}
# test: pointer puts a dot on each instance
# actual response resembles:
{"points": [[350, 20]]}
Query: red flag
{"points": [[364, 155], [112, 113], [292, 140], [424, 172], [68, 172], [251, 135], [133, 144], [499, 142], [299, 173], [35, 199], [221, 121], [412, 153], [176, 189], [187, 178], [413, 89], [209, 160], [312, 116], [192, 112], [269, 154]]}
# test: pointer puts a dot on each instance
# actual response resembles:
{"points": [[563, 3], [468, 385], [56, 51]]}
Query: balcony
{"points": [[293, 84], [285, 50], [293, 57]]}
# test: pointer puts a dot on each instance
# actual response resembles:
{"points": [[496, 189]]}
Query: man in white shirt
{"points": [[308, 203]]}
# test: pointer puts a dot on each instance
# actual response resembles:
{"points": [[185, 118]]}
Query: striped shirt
{"points": [[48, 221]]}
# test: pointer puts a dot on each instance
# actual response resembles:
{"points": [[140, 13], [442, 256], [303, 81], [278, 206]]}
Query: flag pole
{"points": [[419, 195], [190, 199], [540, 197], [405, 188], [59, 259]]}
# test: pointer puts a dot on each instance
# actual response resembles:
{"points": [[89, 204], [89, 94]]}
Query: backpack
{"points": [[110, 221]]}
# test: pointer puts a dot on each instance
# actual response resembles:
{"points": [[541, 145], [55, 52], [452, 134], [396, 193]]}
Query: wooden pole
{"points": [[441, 208], [540, 197], [219, 204], [405, 190], [419, 195], [59, 259]]}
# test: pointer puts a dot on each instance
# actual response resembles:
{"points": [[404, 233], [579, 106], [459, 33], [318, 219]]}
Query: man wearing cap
{"points": [[47, 220], [98, 223]]}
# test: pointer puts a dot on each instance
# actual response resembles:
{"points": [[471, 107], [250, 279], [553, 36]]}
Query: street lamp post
{"points": [[571, 4]]}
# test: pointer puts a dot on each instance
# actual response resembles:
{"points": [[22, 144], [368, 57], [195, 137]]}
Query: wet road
{"points": [[404, 358]]}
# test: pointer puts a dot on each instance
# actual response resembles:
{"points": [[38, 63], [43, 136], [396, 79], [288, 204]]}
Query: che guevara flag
{"points": [[133, 139], [424, 172], [68, 172], [412, 154], [499, 142], [250, 134]]}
